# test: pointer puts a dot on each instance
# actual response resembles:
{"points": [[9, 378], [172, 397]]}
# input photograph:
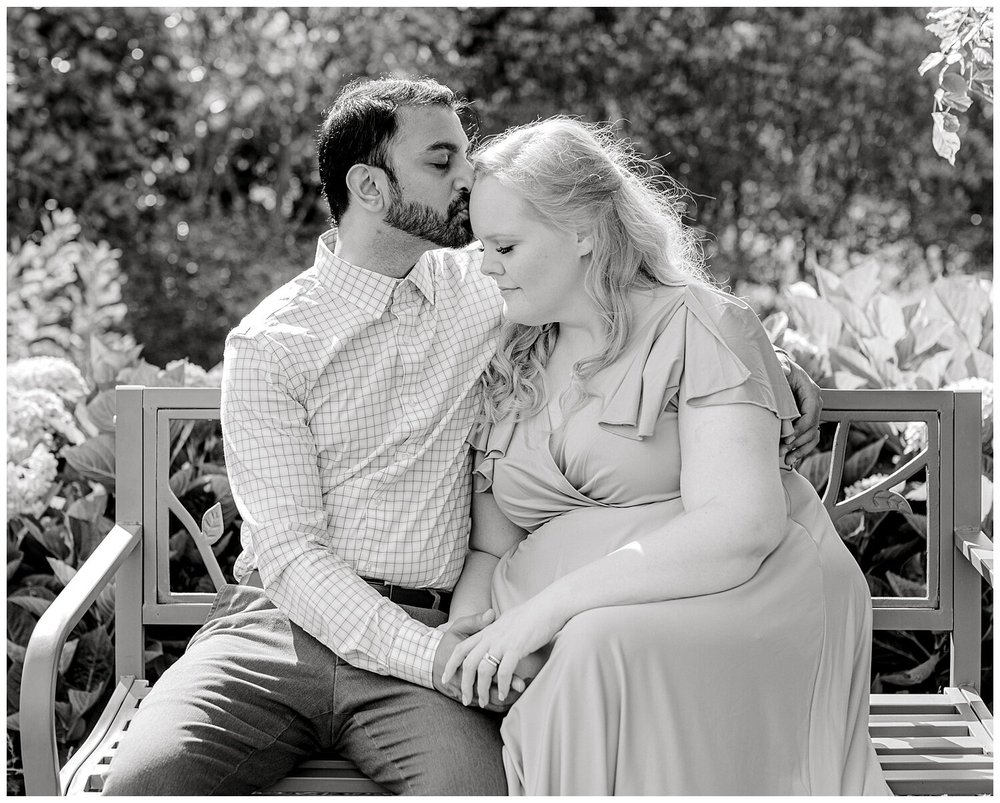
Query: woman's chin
{"points": [[510, 313], [515, 313]]}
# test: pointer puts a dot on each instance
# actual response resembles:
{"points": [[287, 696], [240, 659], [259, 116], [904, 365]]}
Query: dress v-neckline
{"points": [[545, 445]]}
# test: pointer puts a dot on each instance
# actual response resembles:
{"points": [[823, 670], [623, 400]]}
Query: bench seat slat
{"points": [[320, 765], [349, 781], [903, 716], [919, 761], [947, 696], [928, 744], [964, 782], [906, 730], [87, 775]]}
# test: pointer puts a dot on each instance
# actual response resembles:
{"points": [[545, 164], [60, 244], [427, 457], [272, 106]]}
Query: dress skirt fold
{"points": [[761, 689]]}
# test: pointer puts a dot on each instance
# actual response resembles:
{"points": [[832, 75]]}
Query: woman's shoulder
{"points": [[713, 306]]}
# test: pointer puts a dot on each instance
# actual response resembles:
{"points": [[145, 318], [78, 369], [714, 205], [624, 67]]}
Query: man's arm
{"points": [[805, 435], [271, 456]]}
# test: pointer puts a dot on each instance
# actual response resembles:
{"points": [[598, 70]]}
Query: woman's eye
{"points": [[441, 165], [506, 249]]}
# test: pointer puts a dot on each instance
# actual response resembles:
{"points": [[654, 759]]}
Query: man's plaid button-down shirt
{"points": [[347, 398]]}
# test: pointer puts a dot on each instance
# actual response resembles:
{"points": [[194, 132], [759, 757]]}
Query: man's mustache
{"points": [[460, 204]]}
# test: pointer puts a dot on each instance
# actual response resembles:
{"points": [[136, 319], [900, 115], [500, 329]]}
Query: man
{"points": [[347, 398]]}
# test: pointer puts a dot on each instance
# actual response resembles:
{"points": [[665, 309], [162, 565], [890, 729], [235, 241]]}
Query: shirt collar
{"points": [[366, 289]]}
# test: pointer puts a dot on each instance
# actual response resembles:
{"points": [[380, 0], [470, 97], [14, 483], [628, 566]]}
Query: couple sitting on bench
{"points": [[650, 600]]}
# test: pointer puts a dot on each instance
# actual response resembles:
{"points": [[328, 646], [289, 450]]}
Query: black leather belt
{"points": [[415, 597]]}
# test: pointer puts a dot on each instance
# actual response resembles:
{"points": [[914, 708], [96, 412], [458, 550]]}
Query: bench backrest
{"points": [[950, 463]]}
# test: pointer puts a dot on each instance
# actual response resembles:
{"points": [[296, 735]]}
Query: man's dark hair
{"points": [[360, 124]]}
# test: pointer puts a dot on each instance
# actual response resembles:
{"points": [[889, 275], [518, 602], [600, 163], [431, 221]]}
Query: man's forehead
{"points": [[426, 128]]}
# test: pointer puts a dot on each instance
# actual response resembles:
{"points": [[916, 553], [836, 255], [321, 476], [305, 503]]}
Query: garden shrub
{"points": [[853, 334], [61, 290], [61, 467]]}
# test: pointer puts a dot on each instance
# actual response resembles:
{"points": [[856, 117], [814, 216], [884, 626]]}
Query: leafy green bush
{"points": [[853, 334], [61, 470], [61, 290]]}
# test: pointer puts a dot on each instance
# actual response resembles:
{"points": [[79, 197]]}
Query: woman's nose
{"points": [[490, 267]]}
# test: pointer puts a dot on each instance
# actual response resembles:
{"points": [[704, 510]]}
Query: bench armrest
{"points": [[977, 548], [41, 660]]}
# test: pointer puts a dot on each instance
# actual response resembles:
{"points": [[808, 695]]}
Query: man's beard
{"points": [[450, 230]]}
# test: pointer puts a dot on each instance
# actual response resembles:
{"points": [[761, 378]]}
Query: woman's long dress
{"points": [[761, 689]]}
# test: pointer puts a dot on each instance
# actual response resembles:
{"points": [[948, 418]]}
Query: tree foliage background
{"points": [[184, 137]]}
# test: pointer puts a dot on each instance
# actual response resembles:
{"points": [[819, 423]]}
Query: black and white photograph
{"points": [[500, 400]]}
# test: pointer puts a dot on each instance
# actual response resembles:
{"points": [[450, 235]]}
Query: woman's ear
{"points": [[365, 184], [584, 244]]}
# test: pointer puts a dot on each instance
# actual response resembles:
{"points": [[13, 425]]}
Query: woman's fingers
{"points": [[457, 658], [470, 673], [485, 673], [504, 677], [800, 448]]}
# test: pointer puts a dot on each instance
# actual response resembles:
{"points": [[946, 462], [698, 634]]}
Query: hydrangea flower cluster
{"points": [[29, 482], [39, 392], [194, 375], [54, 374], [34, 417]]}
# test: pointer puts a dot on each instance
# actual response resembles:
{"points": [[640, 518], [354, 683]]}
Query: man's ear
{"points": [[367, 186]]}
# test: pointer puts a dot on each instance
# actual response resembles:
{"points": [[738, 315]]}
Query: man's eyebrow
{"points": [[444, 145]]}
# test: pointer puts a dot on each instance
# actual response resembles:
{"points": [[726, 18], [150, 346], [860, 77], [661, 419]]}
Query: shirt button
{"points": [[377, 500]]}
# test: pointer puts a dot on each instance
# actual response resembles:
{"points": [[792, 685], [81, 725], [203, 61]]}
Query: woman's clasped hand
{"points": [[507, 647]]}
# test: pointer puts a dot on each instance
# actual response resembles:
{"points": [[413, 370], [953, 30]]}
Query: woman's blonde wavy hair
{"points": [[581, 177]]}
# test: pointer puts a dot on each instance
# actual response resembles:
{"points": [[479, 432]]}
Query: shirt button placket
{"points": [[406, 307]]}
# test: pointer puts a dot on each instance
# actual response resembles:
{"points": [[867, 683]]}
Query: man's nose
{"points": [[463, 175]]}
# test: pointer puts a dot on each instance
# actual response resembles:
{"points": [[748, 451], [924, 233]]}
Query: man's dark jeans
{"points": [[254, 695]]}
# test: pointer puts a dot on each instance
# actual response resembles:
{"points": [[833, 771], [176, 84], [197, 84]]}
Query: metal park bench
{"points": [[927, 743]]}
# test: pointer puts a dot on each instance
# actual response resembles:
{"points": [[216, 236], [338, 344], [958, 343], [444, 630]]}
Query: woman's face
{"points": [[538, 267]]}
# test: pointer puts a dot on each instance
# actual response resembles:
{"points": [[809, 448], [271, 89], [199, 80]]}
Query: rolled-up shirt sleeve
{"points": [[271, 456]]}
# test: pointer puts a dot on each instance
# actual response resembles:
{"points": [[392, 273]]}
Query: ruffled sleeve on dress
{"points": [[489, 442], [709, 349]]}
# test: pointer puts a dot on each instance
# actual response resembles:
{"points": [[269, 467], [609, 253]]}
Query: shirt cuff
{"points": [[412, 655]]}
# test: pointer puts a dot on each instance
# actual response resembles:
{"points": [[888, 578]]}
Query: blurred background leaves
{"points": [[184, 138]]}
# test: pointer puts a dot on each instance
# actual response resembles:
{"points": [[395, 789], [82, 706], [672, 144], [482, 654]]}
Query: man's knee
{"points": [[462, 769], [157, 767], [425, 744]]}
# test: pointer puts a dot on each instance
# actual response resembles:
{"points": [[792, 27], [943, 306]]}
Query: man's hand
{"points": [[457, 632], [805, 435]]}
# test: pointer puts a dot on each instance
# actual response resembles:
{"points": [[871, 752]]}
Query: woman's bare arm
{"points": [[492, 535]]}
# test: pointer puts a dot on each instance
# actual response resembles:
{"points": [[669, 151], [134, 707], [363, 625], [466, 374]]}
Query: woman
{"points": [[703, 628]]}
